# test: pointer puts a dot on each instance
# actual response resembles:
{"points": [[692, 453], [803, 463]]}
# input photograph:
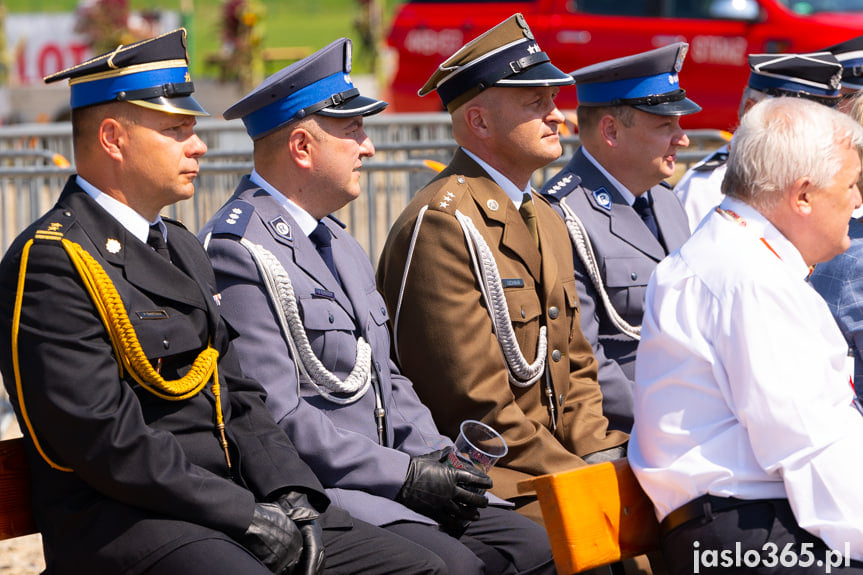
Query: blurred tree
{"points": [[369, 26], [242, 42]]}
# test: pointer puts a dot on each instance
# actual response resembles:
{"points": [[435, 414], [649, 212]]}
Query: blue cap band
{"points": [[106, 89], [285, 110], [629, 88], [764, 83]]}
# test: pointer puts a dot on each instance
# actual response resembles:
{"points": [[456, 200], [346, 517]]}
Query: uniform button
{"points": [[378, 365], [553, 312], [560, 399], [166, 344], [555, 355], [383, 310], [332, 319], [523, 314], [634, 276]]}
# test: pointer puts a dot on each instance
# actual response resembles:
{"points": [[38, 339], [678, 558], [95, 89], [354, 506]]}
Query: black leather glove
{"points": [[448, 495], [273, 538], [296, 505]]}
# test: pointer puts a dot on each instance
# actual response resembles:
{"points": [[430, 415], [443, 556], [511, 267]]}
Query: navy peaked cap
{"points": [[814, 76], [152, 73], [318, 84], [850, 55], [647, 81]]}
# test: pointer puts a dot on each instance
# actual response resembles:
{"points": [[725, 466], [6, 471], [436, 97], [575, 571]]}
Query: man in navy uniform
{"points": [[150, 451], [850, 54], [323, 352], [621, 215], [810, 76]]}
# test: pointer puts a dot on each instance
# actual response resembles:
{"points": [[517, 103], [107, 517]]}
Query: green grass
{"points": [[311, 23]]}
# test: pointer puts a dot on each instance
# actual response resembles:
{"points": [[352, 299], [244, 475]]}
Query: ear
{"points": [[112, 136], [476, 121], [608, 130], [800, 195], [300, 144]]}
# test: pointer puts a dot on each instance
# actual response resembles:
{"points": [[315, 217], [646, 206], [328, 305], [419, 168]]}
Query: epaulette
{"points": [[54, 225], [449, 194], [338, 221], [564, 184], [172, 221], [711, 162], [235, 216]]}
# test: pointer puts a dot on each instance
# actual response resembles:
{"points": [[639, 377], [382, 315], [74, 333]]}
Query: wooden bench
{"points": [[16, 517], [595, 515]]}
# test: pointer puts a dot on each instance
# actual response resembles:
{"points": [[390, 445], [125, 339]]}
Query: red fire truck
{"points": [[575, 33]]}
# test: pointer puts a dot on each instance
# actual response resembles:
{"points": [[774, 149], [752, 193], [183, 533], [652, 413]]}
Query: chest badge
{"points": [[603, 198], [113, 246], [282, 228]]}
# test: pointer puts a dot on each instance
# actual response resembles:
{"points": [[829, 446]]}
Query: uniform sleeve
{"points": [[338, 455], [85, 418], [445, 344]]}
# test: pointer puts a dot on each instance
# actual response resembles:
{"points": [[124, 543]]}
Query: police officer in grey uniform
{"points": [[314, 329], [622, 217], [811, 76]]}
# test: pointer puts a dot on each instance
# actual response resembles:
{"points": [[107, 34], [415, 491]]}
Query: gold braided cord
{"points": [[16, 319], [124, 341], [123, 336]]}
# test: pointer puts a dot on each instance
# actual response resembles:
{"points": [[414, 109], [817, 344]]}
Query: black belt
{"points": [[704, 506]]}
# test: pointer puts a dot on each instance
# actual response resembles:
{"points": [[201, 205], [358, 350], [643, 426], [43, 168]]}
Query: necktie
{"points": [[528, 214], [642, 206], [322, 239], [156, 240]]}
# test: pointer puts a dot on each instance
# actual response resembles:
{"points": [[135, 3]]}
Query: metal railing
{"points": [[32, 171]]}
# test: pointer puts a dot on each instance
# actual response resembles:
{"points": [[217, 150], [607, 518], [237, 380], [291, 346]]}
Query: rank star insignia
{"points": [[533, 49], [113, 246], [444, 204]]}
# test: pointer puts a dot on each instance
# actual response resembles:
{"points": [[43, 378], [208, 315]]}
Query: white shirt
{"points": [[742, 382], [701, 191], [509, 188], [134, 222]]}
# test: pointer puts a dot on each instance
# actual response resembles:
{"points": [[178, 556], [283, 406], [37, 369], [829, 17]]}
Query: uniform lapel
{"points": [[495, 206], [296, 249], [138, 263], [623, 221]]}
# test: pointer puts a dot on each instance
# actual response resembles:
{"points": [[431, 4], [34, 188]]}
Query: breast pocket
{"points": [[524, 314], [330, 330], [626, 283]]}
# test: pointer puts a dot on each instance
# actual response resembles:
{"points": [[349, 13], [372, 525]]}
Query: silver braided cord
{"points": [[521, 373], [584, 249], [281, 293]]}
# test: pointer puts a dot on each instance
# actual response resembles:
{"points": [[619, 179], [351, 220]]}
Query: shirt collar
{"points": [[134, 222], [509, 188], [628, 196], [303, 218]]}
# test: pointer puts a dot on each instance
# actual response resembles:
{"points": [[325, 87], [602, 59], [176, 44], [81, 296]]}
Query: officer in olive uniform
{"points": [[330, 381], [477, 272], [622, 216], [812, 76], [150, 452]]}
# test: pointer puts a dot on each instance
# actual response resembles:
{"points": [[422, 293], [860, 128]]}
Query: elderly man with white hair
{"points": [[746, 431]]}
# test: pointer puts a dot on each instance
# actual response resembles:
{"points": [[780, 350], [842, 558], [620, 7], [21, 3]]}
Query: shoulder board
{"points": [[338, 221], [559, 186], [712, 161], [173, 222], [233, 219], [54, 225], [449, 193]]}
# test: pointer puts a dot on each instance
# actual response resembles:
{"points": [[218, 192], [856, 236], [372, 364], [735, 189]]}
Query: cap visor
{"points": [[180, 105], [545, 74], [682, 107], [357, 106]]}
